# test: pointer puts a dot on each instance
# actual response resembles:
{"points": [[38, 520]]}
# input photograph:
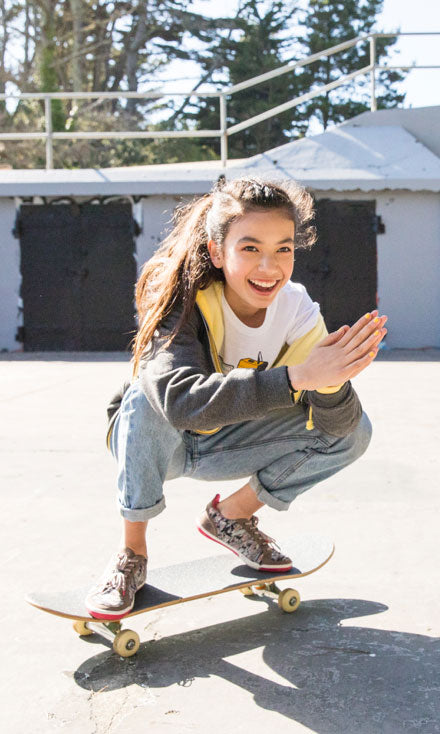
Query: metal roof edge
{"points": [[105, 188], [365, 185], [178, 188]]}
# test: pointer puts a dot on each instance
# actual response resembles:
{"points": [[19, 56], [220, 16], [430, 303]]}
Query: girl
{"points": [[234, 376]]}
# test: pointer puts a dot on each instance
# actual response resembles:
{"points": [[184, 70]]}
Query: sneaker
{"points": [[243, 538], [114, 595]]}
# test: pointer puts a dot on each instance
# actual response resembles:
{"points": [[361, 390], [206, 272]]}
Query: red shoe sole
{"points": [[265, 569], [107, 617]]}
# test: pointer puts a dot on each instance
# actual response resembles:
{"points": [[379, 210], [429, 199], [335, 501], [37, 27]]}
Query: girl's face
{"points": [[257, 260]]}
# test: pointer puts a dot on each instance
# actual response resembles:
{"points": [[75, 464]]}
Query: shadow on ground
{"points": [[338, 678]]}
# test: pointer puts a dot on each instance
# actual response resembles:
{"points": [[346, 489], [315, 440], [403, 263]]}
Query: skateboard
{"points": [[188, 581]]}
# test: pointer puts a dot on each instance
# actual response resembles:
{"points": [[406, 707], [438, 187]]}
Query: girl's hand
{"points": [[341, 355]]}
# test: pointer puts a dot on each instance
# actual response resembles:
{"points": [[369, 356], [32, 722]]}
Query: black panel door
{"points": [[340, 271], [78, 273]]}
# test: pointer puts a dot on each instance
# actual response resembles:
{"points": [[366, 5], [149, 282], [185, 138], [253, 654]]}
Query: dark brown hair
{"points": [[182, 264]]}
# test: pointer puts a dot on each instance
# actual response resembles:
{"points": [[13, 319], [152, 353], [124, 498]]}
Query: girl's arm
{"points": [[336, 359], [338, 413], [179, 382]]}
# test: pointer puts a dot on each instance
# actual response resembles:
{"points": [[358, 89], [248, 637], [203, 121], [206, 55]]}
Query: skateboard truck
{"points": [[124, 642], [288, 599]]}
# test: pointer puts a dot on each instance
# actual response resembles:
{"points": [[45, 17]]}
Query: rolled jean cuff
{"points": [[144, 514], [264, 496]]}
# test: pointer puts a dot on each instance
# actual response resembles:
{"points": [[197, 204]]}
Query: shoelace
{"points": [[251, 526], [124, 567]]}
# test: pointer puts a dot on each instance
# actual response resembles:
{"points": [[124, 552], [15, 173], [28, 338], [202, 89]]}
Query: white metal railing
{"points": [[223, 131]]}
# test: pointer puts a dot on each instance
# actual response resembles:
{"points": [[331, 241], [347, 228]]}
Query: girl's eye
{"points": [[253, 248]]}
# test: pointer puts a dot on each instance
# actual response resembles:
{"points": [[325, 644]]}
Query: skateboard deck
{"points": [[188, 581]]}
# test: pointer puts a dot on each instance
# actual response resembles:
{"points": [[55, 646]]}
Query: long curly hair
{"points": [[182, 265]]}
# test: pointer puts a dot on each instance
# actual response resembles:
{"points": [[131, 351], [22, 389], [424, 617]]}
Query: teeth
{"points": [[264, 283]]}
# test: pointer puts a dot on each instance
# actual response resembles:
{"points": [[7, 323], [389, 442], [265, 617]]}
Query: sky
{"points": [[422, 86]]}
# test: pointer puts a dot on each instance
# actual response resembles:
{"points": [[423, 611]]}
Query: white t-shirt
{"points": [[291, 315]]}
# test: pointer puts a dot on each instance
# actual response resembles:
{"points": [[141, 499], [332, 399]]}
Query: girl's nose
{"points": [[268, 265]]}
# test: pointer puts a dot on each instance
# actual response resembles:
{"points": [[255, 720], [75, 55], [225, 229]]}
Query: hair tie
{"points": [[220, 183]]}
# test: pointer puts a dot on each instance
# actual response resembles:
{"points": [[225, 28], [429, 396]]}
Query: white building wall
{"points": [[10, 277], [154, 215], [409, 268], [408, 263]]}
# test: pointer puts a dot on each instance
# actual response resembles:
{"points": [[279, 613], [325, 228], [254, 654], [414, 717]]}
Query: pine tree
{"points": [[261, 44], [261, 49], [328, 23], [47, 73]]}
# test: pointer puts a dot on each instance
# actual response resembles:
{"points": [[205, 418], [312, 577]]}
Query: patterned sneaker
{"points": [[243, 538], [113, 596]]}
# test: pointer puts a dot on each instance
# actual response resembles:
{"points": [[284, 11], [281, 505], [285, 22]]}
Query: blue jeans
{"points": [[281, 457]]}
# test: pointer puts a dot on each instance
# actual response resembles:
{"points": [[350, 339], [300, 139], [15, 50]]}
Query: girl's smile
{"points": [[263, 286], [257, 261]]}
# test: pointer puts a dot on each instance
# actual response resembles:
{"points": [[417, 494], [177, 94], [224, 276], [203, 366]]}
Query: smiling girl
{"points": [[234, 376]]}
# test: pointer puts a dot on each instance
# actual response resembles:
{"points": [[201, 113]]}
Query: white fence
{"points": [[223, 132]]}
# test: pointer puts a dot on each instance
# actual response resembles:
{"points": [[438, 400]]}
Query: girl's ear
{"points": [[215, 254]]}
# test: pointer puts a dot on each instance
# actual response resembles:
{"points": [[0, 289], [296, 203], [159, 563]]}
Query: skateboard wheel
{"points": [[81, 628], [126, 643], [289, 600], [247, 591]]}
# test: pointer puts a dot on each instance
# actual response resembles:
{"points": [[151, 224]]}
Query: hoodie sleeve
{"points": [[179, 382], [338, 413]]}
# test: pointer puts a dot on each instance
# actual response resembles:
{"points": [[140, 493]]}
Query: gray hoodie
{"points": [[183, 382]]}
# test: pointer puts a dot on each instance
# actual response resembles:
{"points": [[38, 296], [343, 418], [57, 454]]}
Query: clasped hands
{"points": [[342, 355]]}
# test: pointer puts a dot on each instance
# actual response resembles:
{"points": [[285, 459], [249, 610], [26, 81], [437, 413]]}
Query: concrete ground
{"points": [[361, 655]]}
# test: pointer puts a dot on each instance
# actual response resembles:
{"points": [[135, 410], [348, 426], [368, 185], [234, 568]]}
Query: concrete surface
{"points": [[361, 655]]}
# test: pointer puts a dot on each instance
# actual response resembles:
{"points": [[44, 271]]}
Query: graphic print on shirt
{"points": [[257, 364], [248, 362]]}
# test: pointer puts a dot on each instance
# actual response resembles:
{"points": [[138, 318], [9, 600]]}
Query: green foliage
{"points": [[329, 23], [48, 76], [113, 153], [259, 48], [90, 45]]}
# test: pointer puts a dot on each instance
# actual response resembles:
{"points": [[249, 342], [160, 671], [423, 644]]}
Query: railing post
{"points": [[223, 128], [373, 103], [49, 139]]}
